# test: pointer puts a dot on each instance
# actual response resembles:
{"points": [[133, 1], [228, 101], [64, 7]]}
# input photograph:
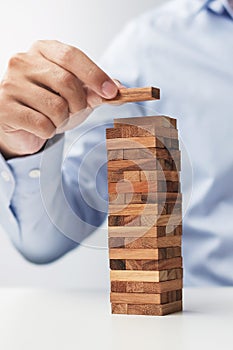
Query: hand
{"points": [[42, 89]]}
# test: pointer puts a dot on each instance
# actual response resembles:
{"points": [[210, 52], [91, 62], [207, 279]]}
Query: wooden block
{"points": [[118, 242], [114, 176], [149, 175], [135, 209], [147, 265], [173, 252], [134, 287], [116, 264], [143, 164], [136, 276], [137, 198], [132, 176], [117, 286], [146, 287], [158, 121], [146, 276], [136, 232], [161, 220], [161, 287], [144, 220], [113, 133], [174, 143], [136, 264], [116, 198], [115, 154], [126, 186], [150, 153], [130, 143], [134, 95], [157, 132], [114, 220], [119, 308], [135, 298], [154, 254], [151, 243], [154, 310], [173, 274], [132, 187], [143, 298]]}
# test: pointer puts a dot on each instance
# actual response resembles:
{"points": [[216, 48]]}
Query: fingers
{"points": [[61, 81], [41, 72], [51, 105], [76, 62], [29, 120]]}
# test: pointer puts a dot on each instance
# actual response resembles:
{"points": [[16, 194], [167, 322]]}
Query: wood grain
{"points": [[143, 298], [149, 175], [131, 143], [149, 153], [135, 209], [159, 197], [126, 186], [154, 310], [148, 265], [145, 254], [157, 120], [144, 231], [115, 154], [146, 287], [115, 253], [137, 276], [144, 164], [134, 95], [152, 243]]}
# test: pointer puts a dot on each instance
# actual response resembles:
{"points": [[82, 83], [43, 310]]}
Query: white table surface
{"points": [[51, 319]]}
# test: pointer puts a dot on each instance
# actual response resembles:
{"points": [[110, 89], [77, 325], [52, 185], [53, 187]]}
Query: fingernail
{"points": [[109, 89]]}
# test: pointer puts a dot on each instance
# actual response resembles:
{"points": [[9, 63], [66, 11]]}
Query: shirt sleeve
{"points": [[23, 215]]}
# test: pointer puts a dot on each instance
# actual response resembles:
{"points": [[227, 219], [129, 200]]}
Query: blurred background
{"points": [[89, 25]]}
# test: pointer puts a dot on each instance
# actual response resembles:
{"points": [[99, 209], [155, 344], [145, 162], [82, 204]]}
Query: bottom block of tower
{"points": [[147, 309]]}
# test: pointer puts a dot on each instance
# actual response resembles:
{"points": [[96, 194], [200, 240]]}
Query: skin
{"points": [[41, 91]]}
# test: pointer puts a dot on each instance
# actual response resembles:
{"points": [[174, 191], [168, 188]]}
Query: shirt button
{"points": [[5, 175], [34, 174]]}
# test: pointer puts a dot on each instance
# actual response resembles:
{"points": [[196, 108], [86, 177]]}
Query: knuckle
{"points": [[15, 60], [66, 54], [43, 127], [60, 106], [67, 79], [41, 123], [6, 87], [37, 44]]}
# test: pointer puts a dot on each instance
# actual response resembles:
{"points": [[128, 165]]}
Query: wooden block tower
{"points": [[145, 216]]}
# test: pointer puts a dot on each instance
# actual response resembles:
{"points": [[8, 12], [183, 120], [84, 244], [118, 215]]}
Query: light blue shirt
{"points": [[185, 48]]}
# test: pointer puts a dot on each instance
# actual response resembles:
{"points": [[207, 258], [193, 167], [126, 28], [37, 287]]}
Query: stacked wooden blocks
{"points": [[145, 216]]}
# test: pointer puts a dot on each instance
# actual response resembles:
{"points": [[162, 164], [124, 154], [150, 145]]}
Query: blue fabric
{"points": [[185, 48]]}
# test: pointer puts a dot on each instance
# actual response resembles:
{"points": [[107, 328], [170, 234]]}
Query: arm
{"points": [[40, 92]]}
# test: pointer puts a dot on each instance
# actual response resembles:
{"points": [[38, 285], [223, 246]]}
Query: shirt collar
{"points": [[218, 6]]}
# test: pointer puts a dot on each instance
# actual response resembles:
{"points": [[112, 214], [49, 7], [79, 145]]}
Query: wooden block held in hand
{"points": [[135, 95]]}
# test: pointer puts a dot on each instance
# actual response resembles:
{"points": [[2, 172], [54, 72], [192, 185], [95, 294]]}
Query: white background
{"points": [[90, 25]]}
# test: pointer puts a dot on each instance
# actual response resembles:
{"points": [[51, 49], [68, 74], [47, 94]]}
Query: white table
{"points": [[67, 320]]}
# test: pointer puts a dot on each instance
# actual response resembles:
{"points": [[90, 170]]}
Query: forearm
{"points": [[24, 216]]}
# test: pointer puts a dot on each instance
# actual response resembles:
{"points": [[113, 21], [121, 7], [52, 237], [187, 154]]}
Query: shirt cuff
{"points": [[7, 181], [26, 170]]}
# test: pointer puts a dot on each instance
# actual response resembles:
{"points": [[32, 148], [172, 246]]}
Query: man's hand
{"points": [[42, 89]]}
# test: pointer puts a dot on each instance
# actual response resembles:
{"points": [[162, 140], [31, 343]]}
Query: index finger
{"points": [[78, 63]]}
